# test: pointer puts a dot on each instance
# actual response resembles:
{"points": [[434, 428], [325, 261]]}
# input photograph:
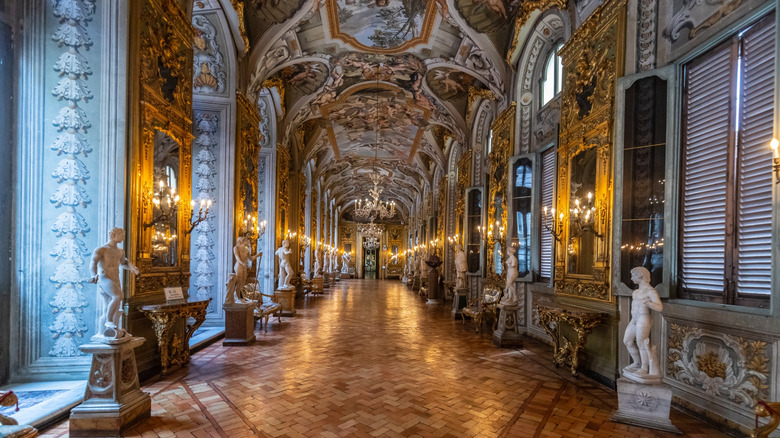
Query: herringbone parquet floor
{"points": [[368, 359]]}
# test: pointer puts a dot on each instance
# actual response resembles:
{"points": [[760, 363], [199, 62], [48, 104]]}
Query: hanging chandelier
{"points": [[373, 208], [371, 243], [371, 229]]}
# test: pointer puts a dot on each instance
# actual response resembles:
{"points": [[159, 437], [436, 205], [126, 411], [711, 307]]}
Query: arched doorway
{"points": [[370, 263]]}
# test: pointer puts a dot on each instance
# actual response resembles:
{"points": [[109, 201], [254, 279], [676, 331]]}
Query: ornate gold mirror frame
{"points": [[161, 89], [464, 180], [503, 129], [246, 173], [283, 197], [592, 61]]}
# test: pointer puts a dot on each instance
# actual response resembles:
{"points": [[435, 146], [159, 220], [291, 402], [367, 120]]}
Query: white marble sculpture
{"points": [[326, 262], [334, 260], [645, 367], [318, 262], [285, 268], [461, 266], [237, 281], [345, 259], [510, 293], [106, 261]]}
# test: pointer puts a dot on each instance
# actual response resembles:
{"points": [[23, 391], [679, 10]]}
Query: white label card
{"points": [[173, 293]]}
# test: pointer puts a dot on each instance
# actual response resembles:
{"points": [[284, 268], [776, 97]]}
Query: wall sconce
{"points": [[252, 229], [553, 225], [492, 234], [775, 159], [454, 240], [202, 215], [584, 217]]}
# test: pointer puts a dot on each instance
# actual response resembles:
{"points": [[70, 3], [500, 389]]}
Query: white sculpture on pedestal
{"points": [[326, 262], [334, 260], [285, 268], [106, 261], [461, 266], [237, 281], [510, 293], [345, 259], [318, 262], [645, 367]]}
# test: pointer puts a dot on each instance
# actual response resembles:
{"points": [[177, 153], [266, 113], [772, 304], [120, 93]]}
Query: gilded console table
{"points": [[564, 351], [174, 350]]}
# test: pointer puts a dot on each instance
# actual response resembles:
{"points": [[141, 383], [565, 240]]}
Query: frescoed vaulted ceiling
{"points": [[380, 85]]}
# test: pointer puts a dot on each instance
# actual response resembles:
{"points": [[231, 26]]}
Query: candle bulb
{"points": [[774, 146]]}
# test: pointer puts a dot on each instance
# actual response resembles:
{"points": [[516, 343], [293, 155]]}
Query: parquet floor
{"points": [[369, 358]]}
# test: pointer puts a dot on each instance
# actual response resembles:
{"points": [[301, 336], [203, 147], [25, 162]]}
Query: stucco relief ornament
{"points": [[645, 367], [510, 293], [285, 268], [106, 261]]}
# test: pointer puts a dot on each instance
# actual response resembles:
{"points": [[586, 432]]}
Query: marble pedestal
{"points": [[239, 324], [645, 405], [17, 431], [460, 299], [286, 297], [113, 401], [507, 332]]}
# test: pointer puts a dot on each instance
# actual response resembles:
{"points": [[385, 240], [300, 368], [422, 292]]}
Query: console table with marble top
{"points": [[174, 350], [564, 351]]}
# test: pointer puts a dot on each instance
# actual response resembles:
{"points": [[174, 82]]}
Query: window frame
{"points": [[557, 77], [510, 218], [467, 232], [672, 211]]}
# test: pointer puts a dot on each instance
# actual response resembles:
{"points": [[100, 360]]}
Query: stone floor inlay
{"points": [[370, 358]]}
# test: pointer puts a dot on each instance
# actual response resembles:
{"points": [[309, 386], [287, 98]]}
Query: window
{"points": [[546, 246], [490, 142], [726, 195], [522, 186], [551, 77]]}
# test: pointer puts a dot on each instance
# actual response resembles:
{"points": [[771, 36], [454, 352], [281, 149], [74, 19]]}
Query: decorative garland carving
{"points": [[646, 34], [71, 174], [206, 128]]}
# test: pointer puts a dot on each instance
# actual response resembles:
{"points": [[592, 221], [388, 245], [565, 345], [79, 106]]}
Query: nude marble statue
{"points": [[645, 364], [237, 281], [106, 261], [510, 293], [345, 258], [461, 266], [285, 268]]}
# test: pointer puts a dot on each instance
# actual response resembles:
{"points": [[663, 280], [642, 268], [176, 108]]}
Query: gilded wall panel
{"points": [[246, 171]]}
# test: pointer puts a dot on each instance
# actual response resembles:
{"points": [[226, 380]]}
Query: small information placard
{"points": [[173, 294]]}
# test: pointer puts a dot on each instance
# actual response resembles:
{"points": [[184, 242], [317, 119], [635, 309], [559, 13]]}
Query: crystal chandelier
{"points": [[370, 209], [371, 229], [371, 243], [373, 208]]}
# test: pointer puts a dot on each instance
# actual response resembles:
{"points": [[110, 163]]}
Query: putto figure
{"points": [[106, 261], [285, 269], [645, 365]]}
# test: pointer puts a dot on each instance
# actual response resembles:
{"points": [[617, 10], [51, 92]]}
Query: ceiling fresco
{"points": [[379, 84], [381, 26]]}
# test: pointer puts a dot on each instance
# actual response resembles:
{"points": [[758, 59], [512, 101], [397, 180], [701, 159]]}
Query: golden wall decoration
{"points": [[592, 62], [315, 199], [160, 87], [503, 142], [238, 5], [276, 82], [464, 180], [301, 204], [282, 194], [246, 173], [441, 209]]}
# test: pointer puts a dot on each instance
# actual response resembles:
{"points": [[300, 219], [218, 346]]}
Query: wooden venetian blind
{"points": [[754, 191], [706, 156], [548, 184]]}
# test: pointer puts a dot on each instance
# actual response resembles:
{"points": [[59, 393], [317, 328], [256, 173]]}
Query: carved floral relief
{"points": [[209, 64]]}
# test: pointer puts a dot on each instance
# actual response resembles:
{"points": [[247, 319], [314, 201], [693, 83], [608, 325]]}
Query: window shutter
{"points": [[548, 183], [754, 194], [706, 140]]}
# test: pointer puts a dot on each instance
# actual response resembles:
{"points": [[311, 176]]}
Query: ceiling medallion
{"points": [[381, 26]]}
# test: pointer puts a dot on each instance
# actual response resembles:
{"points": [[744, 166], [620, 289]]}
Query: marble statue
{"points": [[237, 281], [645, 364], [285, 268], [461, 266], [318, 262], [334, 260], [106, 261], [345, 259], [510, 293], [326, 262]]}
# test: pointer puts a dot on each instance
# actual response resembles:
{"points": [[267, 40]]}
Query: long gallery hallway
{"points": [[370, 358]]}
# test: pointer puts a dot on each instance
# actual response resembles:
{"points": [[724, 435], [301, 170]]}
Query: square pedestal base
{"points": [[287, 299], [113, 401], [239, 324], [644, 405], [507, 332]]}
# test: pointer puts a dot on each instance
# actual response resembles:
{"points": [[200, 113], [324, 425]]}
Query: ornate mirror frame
{"points": [[587, 103], [246, 172], [503, 129], [162, 92], [533, 211]]}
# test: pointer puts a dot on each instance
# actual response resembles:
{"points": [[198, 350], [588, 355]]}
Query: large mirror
{"points": [[165, 202], [582, 217], [520, 217], [473, 224]]}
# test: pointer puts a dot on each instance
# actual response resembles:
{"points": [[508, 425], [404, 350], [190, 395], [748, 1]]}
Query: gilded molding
{"points": [[526, 8], [238, 6], [503, 140]]}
